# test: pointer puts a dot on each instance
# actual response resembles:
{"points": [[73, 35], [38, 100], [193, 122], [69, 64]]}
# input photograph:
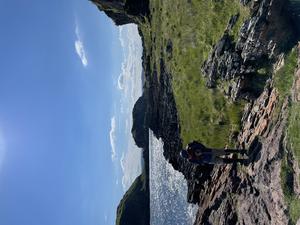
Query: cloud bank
{"points": [[80, 50], [112, 137], [130, 85], [131, 166]]}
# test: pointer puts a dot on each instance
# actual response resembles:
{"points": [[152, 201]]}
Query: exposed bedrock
{"points": [[139, 128], [124, 11], [231, 194], [252, 194], [268, 32]]}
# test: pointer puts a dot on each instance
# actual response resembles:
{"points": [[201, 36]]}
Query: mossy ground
{"points": [[194, 27], [284, 77], [283, 82], [293, 138], [294, 130], [293, 202]]}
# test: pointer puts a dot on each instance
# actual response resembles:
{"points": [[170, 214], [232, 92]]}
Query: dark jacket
{"points": [[194, 147]]}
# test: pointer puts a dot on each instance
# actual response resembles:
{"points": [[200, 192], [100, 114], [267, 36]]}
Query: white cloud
{"points": [[121, 38], [112, 136], [127, 127], [129, 83], [122, 161], [125, 175], [80, 50], [121, 81], [131, 165]]}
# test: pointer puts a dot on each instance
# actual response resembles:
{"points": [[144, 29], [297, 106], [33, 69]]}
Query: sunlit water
{"points": [[168, 190]]}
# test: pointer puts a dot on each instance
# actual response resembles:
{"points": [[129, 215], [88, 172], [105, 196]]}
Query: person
{"points": [[197, 153]]}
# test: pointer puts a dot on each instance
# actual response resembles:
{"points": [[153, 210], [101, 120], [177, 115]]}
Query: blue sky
{"points": [[61, 63]]}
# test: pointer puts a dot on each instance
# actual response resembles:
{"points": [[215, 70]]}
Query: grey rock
{"points": [[256, 46], [124, 11]]}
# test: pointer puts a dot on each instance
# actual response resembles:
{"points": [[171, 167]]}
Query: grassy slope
{"points": [[294, 130], [193, 29], [134, 206], [291, 199], [284, 79], [293, 133], [294, 142]]}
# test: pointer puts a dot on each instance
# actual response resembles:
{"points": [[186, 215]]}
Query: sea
{"points": [[168, 190]]}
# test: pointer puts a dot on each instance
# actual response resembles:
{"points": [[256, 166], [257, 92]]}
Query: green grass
{"points": [[293, 137], [193, 28], [284, 78], [294, 130], [292, 201], [283, 82], [134, 206]]}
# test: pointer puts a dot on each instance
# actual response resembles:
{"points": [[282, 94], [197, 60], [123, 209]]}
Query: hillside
{"points": [[133, 208], [225, 72]]}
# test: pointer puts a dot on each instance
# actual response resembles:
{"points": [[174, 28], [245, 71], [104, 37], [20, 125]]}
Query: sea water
{"points": [[168, 190]]}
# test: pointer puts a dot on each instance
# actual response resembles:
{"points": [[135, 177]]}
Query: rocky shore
{"points": [[232, 194]]}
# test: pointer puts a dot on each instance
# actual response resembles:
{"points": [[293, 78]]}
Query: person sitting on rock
{"points": [[197, 153]]}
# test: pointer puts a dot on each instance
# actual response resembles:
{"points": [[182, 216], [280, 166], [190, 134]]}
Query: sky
{"points": [[129, 85], [69, 78]]}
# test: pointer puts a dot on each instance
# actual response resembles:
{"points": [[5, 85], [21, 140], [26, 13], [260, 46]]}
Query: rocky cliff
{"points": [[268, 32], [257, 193], [139, 125], [254, 194], [124, 11], [254, 58], [133, 208]]}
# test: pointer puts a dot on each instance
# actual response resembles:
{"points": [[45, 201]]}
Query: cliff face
{"points": [[268, 32], [124, 11], [252, 194], [139, 126], [256, 193], [257, 64], [133, 206]]}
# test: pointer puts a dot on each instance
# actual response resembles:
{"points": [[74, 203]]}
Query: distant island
{"points": [[226, 73]]}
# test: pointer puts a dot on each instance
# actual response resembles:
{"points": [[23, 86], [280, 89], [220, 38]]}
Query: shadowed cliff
{"points": [[124, 11]]}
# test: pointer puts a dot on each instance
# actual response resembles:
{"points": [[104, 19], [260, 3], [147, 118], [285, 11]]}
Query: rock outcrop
{"points": [[252, 194], [139, 124], [134, 206], [262, 37], [124, 11], [226, 194]]}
